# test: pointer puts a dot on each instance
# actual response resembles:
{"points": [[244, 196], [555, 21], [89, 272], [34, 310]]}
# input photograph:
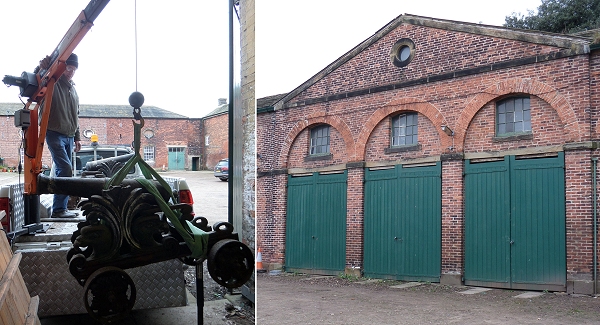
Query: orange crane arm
{"points": [[39, 86]]}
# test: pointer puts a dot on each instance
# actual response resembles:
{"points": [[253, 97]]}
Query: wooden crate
{"points": [[16, 306]]}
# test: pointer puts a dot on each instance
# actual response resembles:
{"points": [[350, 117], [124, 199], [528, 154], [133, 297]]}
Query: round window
{"points": [[88, 133], [148, 133], [402, 52]]}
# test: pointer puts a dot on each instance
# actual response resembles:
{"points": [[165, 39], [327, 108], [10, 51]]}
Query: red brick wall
{"points": [[112, 131], [217, 128], [452, 217], [354, 218], [578, 180], [563, 109], [447, 50]]}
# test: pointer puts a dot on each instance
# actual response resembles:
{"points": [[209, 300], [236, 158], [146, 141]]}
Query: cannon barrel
{"points": [[86, 187]]}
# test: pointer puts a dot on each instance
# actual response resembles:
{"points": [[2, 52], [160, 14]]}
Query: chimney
{"points": [[222, 101]]}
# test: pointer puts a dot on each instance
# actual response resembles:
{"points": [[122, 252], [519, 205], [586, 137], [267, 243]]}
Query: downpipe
{"points": [[595, 201]]}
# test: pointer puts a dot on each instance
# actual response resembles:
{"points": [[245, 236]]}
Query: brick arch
{"points": [[402, 104], [520, 85], [317, 118]]}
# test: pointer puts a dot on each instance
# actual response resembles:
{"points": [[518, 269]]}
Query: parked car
{"points": [[222, 170], [93, 153]]}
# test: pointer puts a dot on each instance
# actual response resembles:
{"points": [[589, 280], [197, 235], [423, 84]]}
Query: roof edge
{"points": [[578, 45], [524, 35]]}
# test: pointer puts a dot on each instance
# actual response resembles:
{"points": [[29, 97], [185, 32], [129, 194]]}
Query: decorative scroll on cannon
{"points": [[124, 228]]}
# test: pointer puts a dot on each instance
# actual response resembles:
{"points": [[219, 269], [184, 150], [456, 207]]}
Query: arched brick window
{"points": [[319, 140], [405, 130], [513, 116]]}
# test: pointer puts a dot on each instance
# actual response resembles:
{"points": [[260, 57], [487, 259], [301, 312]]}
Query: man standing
{"points": [[62, 135]]}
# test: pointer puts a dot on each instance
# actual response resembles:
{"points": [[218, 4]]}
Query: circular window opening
{"points": [[402, 52], [88, 133], [148, 134]]}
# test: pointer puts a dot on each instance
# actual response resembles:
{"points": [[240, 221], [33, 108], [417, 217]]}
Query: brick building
{"points": [[438, 151], [216, 134], [168, 139]]}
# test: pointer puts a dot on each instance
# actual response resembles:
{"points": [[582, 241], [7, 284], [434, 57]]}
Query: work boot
{"points": [[64, 214]]}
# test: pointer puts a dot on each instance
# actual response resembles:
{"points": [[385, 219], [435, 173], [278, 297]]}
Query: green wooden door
{"points": [[487, 223], [403, 223], [176, 158], [538, 224], [515, 223], [316, 224]]}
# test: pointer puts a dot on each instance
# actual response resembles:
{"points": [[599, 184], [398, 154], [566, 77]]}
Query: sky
{"points": [[182, 50], [297, 39], [182, 45]]}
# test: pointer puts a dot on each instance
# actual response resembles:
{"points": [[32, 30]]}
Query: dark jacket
{"points": [[64, 110]]}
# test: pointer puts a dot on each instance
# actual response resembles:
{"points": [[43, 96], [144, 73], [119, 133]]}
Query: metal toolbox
{"points": [[46, 273]]}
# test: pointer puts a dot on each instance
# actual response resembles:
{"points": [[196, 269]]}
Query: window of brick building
{"points": [[148, 153], [402, 52], [513, 116], [319, 140], [405, 130]]}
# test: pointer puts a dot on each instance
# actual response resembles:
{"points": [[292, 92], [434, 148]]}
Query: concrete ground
{"points": [[213, 314]]}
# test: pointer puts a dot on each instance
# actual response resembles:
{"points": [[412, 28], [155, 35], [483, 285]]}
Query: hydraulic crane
{"points": [[39, 86]]}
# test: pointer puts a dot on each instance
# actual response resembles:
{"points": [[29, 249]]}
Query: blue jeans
{"points": [[61, 147]]}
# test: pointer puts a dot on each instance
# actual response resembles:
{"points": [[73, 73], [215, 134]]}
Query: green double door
{"points": [[176, 158], [402, 234], [316, 223], [515, 223]]}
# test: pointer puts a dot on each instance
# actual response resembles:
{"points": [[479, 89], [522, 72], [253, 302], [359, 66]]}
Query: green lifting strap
{"points": [[195, 238]]}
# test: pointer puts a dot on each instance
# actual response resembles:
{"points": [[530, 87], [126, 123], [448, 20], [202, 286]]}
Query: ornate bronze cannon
{"points": [[124, 227]]}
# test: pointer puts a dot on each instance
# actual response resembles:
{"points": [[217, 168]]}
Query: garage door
{"points": [[403, 223], [316, 223], [176, 158], [515, 223]]}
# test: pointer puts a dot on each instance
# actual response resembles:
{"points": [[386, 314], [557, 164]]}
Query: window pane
{"points": [[501, 108], [510, 127], [510, 106], [518, 104], [510, 117], [501, 118], [527, 126], [501, 128], [519, 115], [519, 127], [404, 53], [527, 115]]}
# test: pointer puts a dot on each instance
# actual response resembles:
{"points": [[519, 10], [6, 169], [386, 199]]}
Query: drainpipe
{"points": [[595, 200]]}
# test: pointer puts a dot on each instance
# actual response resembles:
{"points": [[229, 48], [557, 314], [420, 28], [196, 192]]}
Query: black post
{"points": [[230, 116], [200, 290], [32, 208]]}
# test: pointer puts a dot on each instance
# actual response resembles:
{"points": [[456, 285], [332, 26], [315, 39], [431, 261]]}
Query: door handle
{"points": [[512, 241]]}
